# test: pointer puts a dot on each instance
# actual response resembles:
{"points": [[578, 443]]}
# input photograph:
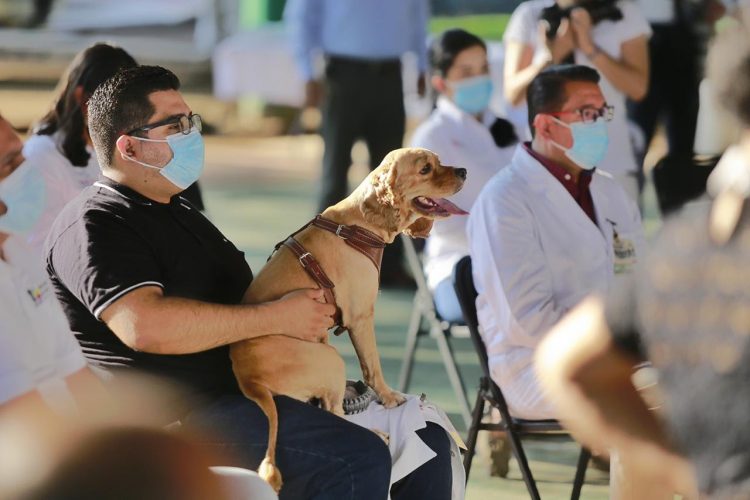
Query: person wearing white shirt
{"points": [[548, 230], [41, 364], [618, 49], [462, 132], [60, 147]]}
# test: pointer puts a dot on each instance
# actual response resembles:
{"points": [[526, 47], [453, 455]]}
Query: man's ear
{"points": [[438, 83], [124, 146], [542, 125], [420, 228]]}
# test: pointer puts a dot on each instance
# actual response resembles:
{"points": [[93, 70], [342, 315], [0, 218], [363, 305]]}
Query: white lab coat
{"points": [[536, 254], [460, 141]]}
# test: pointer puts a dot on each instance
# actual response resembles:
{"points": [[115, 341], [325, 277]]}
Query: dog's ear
{"points": [[420, 229], [383, 206]]}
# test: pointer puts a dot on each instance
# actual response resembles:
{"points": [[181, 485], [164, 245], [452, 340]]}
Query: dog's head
{"points": [[408, 192]]}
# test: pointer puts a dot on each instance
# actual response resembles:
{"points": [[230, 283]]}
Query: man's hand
{"points": [[305, 315], [313, 93], [422, 85], [561, 45]]}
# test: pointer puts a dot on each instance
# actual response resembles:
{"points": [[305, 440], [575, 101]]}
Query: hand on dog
{"points": [[306, 315]]}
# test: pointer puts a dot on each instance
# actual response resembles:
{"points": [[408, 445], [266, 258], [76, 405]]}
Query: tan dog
{"points": [[405, 193]]}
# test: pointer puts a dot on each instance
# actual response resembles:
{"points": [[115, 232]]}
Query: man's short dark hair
{"points": [[121, 104], [546, 93], [729, 71]]}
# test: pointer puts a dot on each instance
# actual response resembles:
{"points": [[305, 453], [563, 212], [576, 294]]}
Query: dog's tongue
{"points": [[449, 207]]}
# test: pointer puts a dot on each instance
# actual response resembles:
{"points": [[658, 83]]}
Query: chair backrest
{"points": [[467, 298], [423, 291]]}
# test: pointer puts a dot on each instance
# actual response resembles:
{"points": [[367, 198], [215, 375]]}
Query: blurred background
{"points": [[263, 152]]}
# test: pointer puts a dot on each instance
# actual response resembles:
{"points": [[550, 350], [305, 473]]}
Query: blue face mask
{"points": [[590, 142], [186, 165], [473, 94], [23, 193]]}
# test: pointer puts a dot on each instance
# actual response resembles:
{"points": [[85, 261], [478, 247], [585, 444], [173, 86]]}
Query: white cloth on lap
{"points": [[408, 451]]}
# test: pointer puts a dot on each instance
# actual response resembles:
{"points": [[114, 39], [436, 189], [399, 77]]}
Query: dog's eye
{"points": [[426, 169]]}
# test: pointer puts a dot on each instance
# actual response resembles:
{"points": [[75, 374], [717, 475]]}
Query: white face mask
{"points": [[23, 192], [186, 165]]}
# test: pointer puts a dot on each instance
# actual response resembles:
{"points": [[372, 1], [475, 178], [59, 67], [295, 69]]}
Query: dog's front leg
{"points": [[362, 334]]}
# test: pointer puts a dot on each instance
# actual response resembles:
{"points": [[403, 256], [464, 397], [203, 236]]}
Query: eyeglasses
{"points": [[590, 114], [179, 123]]}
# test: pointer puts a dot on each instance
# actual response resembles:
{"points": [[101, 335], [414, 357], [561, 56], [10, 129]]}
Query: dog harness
{"points": [[365, 242]]}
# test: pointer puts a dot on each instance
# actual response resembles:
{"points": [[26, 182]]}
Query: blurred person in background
{"points": [[131, 463], [60, 146], [677, 48], [462, 131], [149, 284], [362, 90], [612, 37], [548, 230], [689, 315], [41, 365]]}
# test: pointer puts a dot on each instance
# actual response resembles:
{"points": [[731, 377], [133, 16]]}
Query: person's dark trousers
{"points": [[363, 100], [673, 89], [320, 456]]}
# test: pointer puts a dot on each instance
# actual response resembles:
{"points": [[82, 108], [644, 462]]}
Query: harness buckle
{"points": [[303, 257], [338, 231]]}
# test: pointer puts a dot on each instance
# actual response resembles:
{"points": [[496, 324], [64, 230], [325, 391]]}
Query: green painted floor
{"points": [[255, 214]]}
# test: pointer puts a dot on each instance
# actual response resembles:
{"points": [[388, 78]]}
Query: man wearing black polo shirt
{"points": [[148, 283]]}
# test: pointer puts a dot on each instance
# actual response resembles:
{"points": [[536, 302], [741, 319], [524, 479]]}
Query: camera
{"points": [[599, 10]]}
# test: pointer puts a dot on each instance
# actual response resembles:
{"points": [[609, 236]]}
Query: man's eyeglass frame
{"points": [[186, 123], [606, 112]]}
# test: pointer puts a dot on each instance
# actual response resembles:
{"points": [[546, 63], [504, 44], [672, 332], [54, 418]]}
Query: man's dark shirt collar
{"points": [[578, 190]]}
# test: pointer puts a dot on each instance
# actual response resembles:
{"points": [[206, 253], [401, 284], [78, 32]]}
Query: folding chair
{"points": [[489, 392], [426, 321]]}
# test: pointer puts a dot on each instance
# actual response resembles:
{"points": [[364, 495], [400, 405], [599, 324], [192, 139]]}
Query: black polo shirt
{"points": [[109, 241]]}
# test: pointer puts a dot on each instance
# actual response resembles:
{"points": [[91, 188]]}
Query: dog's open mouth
{"points": [[439, 207]]}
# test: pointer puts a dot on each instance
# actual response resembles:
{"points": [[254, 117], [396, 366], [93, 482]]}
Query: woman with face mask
{"points": [[463, 133]]}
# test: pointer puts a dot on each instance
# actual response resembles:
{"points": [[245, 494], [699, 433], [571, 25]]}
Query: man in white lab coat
{"points": [[548, 230]]}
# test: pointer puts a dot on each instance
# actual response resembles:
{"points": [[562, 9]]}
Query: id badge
{"points": [[624, 252]]}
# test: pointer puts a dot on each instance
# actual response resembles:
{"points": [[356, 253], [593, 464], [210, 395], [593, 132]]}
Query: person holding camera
{"points": [[608, 35]]}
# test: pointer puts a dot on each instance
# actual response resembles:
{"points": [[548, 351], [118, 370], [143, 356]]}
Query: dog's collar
{"points": [[366, 242]]}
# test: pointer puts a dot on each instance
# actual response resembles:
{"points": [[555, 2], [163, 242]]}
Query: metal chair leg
{"points": [[412, 338], [523, 463], [583, 462], [451, 367], [471, 437]]}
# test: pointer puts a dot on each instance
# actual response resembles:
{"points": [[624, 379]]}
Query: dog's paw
{"points": [[391, 399]]}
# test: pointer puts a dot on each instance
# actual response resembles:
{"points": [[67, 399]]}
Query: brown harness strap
{"points": [[366, 242], [313, 269]]}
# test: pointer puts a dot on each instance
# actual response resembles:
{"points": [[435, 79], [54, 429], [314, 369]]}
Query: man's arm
{"points": [[510, 267], [304, 19], [588, 379], [146, 320]]}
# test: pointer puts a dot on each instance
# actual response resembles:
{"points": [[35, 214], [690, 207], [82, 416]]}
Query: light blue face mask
{"points": [[590, 143], [472, 95], [23, 193], [186, 165]]}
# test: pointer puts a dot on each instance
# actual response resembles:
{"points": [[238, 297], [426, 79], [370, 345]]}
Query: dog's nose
{"points": [[461, 172]]}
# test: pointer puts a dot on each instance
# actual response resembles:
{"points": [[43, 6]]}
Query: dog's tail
{"points": [[263, 396]]}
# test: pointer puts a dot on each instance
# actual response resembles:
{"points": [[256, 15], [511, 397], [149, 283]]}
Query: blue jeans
{"points": [[446, 302], [320, 455]]}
